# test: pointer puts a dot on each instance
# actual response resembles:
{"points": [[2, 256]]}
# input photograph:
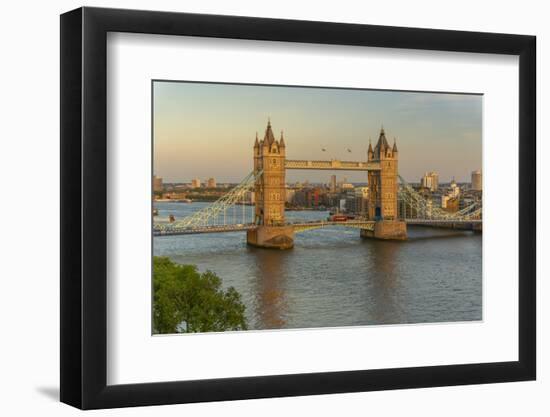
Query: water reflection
{"points": [[384, 279], [270, 293]]}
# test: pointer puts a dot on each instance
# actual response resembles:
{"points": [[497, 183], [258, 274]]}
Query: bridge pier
{"points": [[271, 237], [387, 230]]}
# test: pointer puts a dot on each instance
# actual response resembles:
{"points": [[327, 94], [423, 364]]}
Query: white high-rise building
{"points": [[430, 180], [211, 183], [476, 180], [195, 183], [157, 183]]}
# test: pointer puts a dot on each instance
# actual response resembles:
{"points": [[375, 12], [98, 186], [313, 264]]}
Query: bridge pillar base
{"points": [[387, 230], [271, 237]]}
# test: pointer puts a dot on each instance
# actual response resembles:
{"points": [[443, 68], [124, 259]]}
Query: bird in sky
{"points": [[324, 150], [349, 150]]}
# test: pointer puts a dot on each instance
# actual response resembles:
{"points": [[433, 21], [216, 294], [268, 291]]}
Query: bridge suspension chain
{"points": [[216, 213], [424, 210]]}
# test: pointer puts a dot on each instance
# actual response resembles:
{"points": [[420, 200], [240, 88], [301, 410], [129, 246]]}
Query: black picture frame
{"points": [[84, 207]]}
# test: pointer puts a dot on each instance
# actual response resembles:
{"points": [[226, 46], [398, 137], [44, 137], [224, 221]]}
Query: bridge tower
{"points": [[270, 194], [382, 203]]}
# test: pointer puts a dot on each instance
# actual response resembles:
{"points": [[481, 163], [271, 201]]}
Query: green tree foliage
{"points": [[187, 301]]}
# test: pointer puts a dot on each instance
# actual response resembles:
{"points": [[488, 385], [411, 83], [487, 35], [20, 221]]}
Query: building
{"points": [[313, 197], [451, 198], [451, 204], [211, 183], [157, 184], [270, 190], [333, 183], [383, 183], [476, 180], [430, 180], [454, 190], [363, 192], [195, 183], [361, 200], [352, 201], [299, 197], [290, 193], [342, 205], [435, 199]]}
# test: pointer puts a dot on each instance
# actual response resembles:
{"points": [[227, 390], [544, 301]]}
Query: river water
{"points": [[334, 278]]}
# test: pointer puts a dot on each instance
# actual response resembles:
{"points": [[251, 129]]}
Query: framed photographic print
{"points": [[257, 207]]}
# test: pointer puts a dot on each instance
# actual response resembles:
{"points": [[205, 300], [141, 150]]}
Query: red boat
{"points": [[338, 218]]}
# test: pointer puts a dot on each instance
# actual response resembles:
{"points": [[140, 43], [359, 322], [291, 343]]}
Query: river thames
{"points": [[334, 278]]}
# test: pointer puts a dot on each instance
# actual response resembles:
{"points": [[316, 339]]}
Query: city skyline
{"points": [[342, 178], [197, 125]]}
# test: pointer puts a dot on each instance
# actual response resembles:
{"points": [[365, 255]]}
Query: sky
{"points": [[203, 130]]}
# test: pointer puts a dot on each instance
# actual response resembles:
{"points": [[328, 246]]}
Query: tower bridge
{"points": [[269, 228]]}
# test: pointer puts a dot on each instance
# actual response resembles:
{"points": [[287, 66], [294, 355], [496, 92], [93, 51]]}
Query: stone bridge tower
{"points": [[383, 183], [270, 194]]}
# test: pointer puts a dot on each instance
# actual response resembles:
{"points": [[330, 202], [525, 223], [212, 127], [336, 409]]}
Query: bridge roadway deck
{"points": [[300, 226], [441, 221], [250, 226]]}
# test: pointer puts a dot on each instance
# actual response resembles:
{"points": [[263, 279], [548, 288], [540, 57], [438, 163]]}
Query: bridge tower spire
{"points": [[270, 194], [370, 152], [382, 202]]}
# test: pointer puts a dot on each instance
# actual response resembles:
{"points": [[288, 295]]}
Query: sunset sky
{"points": [[206, 130]]}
